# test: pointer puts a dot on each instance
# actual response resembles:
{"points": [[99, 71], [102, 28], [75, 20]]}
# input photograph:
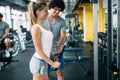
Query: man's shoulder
{"points": [[4, 22], [61, 19]]}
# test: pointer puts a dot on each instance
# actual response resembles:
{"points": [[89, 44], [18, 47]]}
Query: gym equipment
{"points": [[5, 59], [112, 40], [76, 58], [15, 42], [102, 47], [75, 32], [75, 43], [114, 69], [13, 50]]}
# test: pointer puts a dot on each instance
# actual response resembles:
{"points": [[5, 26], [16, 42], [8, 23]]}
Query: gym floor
{"points": [[72, 71]]}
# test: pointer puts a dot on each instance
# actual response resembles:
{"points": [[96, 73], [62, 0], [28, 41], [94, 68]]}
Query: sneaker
{"points": [[7, 53]]}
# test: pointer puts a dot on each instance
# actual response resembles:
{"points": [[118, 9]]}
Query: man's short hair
{"points": [[57, 3], [1, 15]]}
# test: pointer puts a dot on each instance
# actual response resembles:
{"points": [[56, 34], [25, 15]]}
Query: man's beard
{"points": [[0, 20]]}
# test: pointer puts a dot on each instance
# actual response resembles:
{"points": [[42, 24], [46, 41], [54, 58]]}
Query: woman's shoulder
{"points": [[35, 28]]}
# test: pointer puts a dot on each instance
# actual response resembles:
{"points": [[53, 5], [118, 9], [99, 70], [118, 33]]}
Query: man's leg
{"points": [[7, 43], [60, 75], [59, 72]]}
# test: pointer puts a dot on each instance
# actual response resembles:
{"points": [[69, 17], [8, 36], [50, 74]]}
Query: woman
{"points": [[42, 39]]}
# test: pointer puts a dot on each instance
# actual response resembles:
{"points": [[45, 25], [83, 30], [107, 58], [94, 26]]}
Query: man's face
{"points": [[0, 19], [55, 11]]}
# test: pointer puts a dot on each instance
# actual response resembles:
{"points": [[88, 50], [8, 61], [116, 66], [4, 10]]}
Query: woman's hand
{"points": [[56, 64]]}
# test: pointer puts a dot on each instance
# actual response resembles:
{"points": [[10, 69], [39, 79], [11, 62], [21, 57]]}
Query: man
{"points": [[4, 31], [57, 25]]}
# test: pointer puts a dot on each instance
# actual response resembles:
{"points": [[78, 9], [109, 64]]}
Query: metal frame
{"points": [[109, 40], [95, 23], [118, 38]]}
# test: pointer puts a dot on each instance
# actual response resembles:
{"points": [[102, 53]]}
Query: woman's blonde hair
{"points": [[32, 8]]}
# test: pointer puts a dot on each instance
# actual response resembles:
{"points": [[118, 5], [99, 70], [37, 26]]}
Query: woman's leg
{"points": [[40, 77]]}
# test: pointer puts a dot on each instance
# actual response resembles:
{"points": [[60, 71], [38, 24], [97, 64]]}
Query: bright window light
{"points": [[33, 0]]}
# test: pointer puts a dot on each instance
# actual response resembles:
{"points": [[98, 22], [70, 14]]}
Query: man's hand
{"points": [[58, 48], [54, 57]]}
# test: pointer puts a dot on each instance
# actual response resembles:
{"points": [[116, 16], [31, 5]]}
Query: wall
{"points": [[87, 19]]}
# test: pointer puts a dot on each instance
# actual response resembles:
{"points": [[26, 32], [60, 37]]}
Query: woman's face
{"points": [[43, 13]]}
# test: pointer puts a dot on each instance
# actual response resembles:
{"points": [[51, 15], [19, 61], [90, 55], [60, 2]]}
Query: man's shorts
{"points": [[38, 66], [50, 68], [2, 44]]}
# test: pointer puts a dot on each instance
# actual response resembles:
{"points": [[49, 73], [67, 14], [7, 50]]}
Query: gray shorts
{"points": [[38, 66]]}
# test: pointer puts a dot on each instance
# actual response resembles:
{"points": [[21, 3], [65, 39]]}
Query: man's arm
{"points": [[61, 40], [6, 33], [54, 57]]}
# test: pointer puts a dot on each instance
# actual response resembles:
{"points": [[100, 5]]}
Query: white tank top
{"points": [[47, 39]]}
